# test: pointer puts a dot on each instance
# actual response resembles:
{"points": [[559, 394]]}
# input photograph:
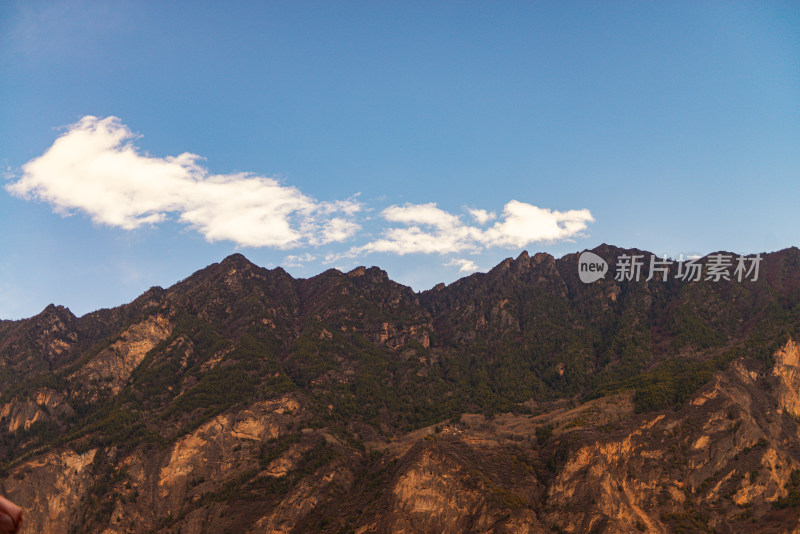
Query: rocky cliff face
{"points": [[520, 400], [112, 367], [787, 371]]}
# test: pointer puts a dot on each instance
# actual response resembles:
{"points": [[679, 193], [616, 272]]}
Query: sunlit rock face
{"points": [[787, 371]]}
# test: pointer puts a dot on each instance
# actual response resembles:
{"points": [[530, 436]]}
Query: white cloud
{"points": [[421, 214], [431, 230], [95, 168], [523, 224], [336, 229], [298, 260], [428, 230], [482, 216], [464, 265]]}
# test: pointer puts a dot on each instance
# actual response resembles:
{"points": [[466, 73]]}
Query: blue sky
{"points": [[429, 138]]}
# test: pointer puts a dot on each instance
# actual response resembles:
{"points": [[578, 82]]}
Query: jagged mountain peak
{"points": [[358, 271], [53, 310], [374, 273], [237, 259]]}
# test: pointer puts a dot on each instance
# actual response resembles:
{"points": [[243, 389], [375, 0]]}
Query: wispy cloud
{"points": [[429, 229], [298, 260], [464, 265], [95, 168]]}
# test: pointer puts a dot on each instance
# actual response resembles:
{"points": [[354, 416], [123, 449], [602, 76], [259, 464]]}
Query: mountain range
{"points": [[244, 400]]}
